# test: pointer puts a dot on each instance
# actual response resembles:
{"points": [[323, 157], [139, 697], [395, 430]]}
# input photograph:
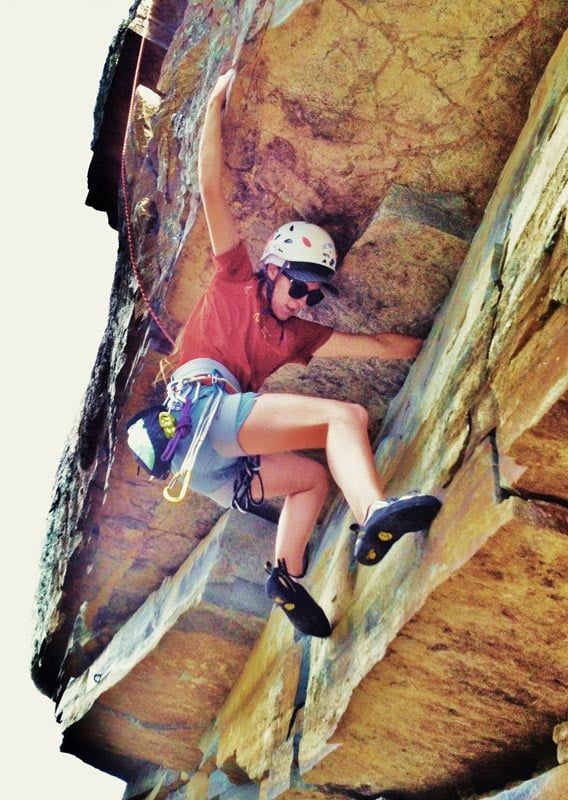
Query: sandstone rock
{"points": [[152, 693], [560, 737], [389, 124]]}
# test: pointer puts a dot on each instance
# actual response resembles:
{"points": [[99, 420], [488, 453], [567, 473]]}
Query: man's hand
{"points": [[222, 89]]}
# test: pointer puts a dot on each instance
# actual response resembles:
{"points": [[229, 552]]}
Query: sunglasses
{"points": [[299, 289]]}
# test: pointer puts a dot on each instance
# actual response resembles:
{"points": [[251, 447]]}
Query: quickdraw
{"points": [[248, 467], [202, 428]]}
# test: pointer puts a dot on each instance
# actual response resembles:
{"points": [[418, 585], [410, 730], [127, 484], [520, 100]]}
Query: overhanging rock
{"points": [[157, 686]]}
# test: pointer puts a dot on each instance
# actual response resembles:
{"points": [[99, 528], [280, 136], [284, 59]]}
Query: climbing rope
{"points": [[125, 195]]}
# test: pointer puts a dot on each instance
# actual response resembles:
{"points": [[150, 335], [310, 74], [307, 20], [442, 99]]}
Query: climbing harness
{"points": [[176, 389], [248, 468], [182, 394]]}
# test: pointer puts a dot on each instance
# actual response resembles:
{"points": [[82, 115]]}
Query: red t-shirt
{"points": [[230, 325]]}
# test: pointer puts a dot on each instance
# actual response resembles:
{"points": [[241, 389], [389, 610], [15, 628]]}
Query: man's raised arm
{"points": [[223, 231]]}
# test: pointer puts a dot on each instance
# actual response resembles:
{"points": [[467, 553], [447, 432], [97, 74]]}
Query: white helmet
{"points": [[308, 249]]}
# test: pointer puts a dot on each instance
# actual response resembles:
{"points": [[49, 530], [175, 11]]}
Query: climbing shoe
{"points": [[298, 605], [388, 520]]}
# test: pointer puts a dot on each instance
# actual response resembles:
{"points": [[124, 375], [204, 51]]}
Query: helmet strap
{"points": [[268, 283]]}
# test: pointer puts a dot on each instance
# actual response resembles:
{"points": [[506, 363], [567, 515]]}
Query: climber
{"points": [[245, 327]]}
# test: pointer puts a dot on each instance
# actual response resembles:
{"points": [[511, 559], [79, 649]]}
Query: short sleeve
{"points": [[310, 336], [234, 265]]}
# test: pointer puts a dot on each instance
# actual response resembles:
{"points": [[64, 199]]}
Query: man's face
{"points": [[284, 306]]}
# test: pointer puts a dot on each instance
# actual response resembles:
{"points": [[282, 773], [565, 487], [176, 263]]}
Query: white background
{"points": [[58, 260]]}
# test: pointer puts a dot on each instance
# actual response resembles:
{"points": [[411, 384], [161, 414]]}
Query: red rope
{"points": [[125, 196]]}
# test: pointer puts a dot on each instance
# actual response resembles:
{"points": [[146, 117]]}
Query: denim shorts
{"points": [[214, 471]]}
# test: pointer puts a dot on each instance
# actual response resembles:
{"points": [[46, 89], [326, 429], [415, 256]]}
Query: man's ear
{"points": [[272, 271]]}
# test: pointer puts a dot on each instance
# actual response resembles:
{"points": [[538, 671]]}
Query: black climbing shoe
{"points": [[389, 521], [298, 605]]}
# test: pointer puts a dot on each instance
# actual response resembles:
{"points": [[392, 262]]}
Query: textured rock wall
{"points": [[477, 606], [388, 123]]}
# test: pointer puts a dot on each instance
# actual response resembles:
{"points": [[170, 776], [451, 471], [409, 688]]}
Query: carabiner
{"points": [[184, 487]]}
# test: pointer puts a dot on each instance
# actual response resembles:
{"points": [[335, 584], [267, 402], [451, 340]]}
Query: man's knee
{"points": [[355, 414]]}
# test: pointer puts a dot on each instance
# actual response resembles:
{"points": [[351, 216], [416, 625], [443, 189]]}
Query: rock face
{"points": [[431, 142]]}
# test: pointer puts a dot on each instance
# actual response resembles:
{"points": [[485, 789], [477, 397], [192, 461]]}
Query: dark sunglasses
{"points": [[299, 289]]}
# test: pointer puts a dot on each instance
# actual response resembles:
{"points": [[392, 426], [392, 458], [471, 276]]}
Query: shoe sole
{"points": [[302, 610], [389, 524]]}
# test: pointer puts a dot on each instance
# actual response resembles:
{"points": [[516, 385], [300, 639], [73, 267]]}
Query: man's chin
{"points": [[283, 316]]}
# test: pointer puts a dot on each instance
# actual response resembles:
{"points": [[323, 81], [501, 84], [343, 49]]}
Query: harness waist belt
{"points": [[206, 371], [210, 380]]}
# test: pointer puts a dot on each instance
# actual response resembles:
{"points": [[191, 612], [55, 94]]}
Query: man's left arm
{"points": [[370, 345]]}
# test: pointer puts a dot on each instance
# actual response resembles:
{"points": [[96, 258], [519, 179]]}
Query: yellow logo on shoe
{"points": [[371, 555], [280, 602], [384, 536]]}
